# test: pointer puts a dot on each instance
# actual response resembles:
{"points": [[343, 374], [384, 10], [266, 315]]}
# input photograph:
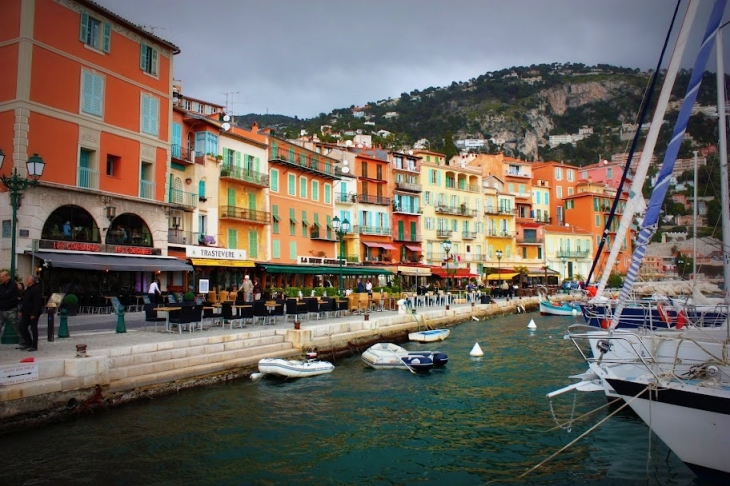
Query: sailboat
{"points": [[676, 380]]}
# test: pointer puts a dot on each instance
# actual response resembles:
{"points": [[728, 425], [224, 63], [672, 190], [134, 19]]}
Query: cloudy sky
{"points": [[305, 57]]}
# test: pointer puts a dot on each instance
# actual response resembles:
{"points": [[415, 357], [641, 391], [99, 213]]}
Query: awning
{"points": [[305, 222], [414, 247], [539, 272], [418, 271], [316, 224], [208, 262], [501, 276], [293, 219], [276, 217], [375, 244], [323, 270], [92, 261], [452, 273]]}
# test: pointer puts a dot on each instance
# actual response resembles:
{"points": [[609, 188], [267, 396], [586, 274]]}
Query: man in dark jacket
{"points": [[31, 312], [9, 304]]}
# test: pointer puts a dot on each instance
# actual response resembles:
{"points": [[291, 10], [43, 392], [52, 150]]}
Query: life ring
{"points": [[605, 324], [663, 315], [682, 320]]}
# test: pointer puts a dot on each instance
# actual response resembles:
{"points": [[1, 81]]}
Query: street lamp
{"points": [[565, 267], [499, 266], [341, 229], [447, 249], [14, 183]]}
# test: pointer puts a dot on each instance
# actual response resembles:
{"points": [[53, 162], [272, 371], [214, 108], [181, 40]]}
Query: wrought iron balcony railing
{"points": [[371, 199], [245, 214], [244, 175], [182, 198], [409, 186]]}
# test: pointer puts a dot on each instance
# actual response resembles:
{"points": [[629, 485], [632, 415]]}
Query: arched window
{"points": [[71, 223], [129, 229]]}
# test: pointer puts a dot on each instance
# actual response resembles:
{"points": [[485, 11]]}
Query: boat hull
{"points": [[391, 356], [429, 336], [294, 368], [565, 309]]}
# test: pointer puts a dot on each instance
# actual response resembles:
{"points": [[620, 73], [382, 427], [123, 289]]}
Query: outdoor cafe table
{"points": [[167, 311]]}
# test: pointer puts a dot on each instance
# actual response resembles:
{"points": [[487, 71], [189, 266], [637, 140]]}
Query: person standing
{"points": [[9, 305], [32, 308], [247, 289], [256, 290], [154, 291]]}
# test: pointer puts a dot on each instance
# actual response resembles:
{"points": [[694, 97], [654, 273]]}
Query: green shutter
{"points": [[143, 56], [414, 232], [201, 188], [257, 164], [304, 223], [238, 159], [84, 30], [275, 180], [153, 69], [292, 185], [315, 191], [253, 244], [88, 92], [327, 193], [293, 250], [232, 238], [303, 187], [252, 201], [274, 150], [107, 37], [401, 230], [275, 219], [329, 227], [231, 197], [276, 249]]}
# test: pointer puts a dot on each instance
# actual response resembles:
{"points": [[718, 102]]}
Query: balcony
{"points": [[406, 209], [352, 258], [384, 258], [442, 233], [407, 237], [573, 253], [474, 257], [370, 199], [345, 198], [491, 210], [408, 186], [544, 219], [88, 178], [456, 210], [244, 175], [308, 163], [245, 214], [182, 198], [371, 230], [468, 235], [507, 211], [182, 154], [147, 189], [513, 173], [530, 241], [499, 234], [320, 234], [180, 237]]}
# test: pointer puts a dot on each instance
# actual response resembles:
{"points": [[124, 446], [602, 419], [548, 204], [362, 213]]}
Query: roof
{"points": [[554, 228], [132, 26]]}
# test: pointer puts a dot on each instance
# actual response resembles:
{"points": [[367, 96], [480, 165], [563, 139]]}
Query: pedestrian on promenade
{"points": [[256, 290], [32, 308], [9, 305], [247, 289], [154, 291]]}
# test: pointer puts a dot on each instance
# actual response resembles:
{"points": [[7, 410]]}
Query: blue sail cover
{"points": [[660, 189]]}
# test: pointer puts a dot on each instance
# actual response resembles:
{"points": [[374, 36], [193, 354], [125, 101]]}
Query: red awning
{"points": [[384, 246], [414, 247], [457, 272]]}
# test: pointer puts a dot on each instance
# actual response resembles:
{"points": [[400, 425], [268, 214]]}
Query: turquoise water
{"points": [[477, 421]]}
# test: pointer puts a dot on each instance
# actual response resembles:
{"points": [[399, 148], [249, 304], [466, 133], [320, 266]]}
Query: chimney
{"points": [[255, 127]]}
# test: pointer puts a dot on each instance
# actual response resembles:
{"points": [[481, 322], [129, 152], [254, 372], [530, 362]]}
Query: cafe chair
{"points": [[196, 318], [260, 312], [293, 309], [182, 318], [245, 314], [227, 316]]}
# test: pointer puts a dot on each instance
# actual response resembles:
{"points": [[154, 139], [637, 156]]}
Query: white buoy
{"points": [[257, 376], [532, 324], [476, 350], [575, 312]]}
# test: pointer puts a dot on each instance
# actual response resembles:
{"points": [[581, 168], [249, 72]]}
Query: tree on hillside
{"points": [[449, 149]]}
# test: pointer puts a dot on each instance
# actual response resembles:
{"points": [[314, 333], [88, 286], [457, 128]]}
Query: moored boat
{"points": [[429, 336], [550, 308], [392, 356], [290, 368]]}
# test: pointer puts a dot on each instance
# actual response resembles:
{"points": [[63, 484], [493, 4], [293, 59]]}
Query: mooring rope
{"points": [[561, 426]]}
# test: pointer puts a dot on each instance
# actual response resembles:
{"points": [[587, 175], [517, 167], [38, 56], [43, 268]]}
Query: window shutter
{"points": [[257, 164], [232, 238], [252, 201], [143, 56], [238, 159], [274, 180], [107, 37], [200, 143], [231, 197], [155, 108], [201, 189], [276, 249], [97, 97], [253, 244], [84, 30], [293, 250], [87, 92]]}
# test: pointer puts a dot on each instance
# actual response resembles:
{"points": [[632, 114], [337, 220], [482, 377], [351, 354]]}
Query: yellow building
{"points": [[568, 250], [452, 202]]}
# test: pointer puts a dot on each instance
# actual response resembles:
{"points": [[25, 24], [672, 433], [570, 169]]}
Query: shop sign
{"points": [[309, 260], [20, 373], [216, 253], [97, 247], [414, 270]]}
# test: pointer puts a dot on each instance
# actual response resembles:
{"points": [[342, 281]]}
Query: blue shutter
{"points": [[385, 221], [153, 69], [84, 159], [363, 222], [84, 30], [145, 114], [87, 92], [176, 140], [154, 116], [106, 45], [201, 189], [97, 95], [143, 56]]}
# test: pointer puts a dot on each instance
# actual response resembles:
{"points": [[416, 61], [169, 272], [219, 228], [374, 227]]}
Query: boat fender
{"points": [[605, 324], [681, 320], [663, 315]]}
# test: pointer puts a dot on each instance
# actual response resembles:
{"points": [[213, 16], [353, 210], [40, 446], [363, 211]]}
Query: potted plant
{"points": [[218, 158], [71, 304], [189, 298]]}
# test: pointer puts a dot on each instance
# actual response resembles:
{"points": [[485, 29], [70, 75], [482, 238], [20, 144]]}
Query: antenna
{"points": [[228, 103]]}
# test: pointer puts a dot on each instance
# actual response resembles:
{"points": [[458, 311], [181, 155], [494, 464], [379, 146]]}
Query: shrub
{"points": [[189, 297], [71, 299]]}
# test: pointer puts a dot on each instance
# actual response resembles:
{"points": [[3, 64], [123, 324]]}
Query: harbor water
{"points": [[477, 421]]}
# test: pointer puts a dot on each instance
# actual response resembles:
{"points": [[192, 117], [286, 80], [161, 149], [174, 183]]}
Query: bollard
{"points": [[63, 324], [51, 325], [121, 327]]}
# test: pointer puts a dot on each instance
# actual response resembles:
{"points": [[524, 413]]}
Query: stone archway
{"points": [[71, 223], [129, 229]]}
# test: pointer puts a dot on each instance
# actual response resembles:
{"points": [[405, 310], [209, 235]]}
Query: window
{"points": [[584, 174], [253, 244], [571, 175], [232, 238], [539, 253], [559, 192], [609, 173], [92, 93], [201, 189], [206, 143], [570, 191], [148, 59], [276, 249], [292, 185], [274, 180], [95, 33], [327, 193], [150, 114], [88, 176], [303, 187], [570, 204], [558, 174], [7, 228], [598, 220], [293, 250], [292, 222], [305, 223], [315, 190], [275, 218], [112, 165]]}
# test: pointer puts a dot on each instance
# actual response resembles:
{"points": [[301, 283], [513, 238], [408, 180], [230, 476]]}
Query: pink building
{"points": [[603, 172]]}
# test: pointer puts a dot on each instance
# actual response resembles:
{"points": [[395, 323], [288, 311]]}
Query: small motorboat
{"points": [[292, 368], [392, 356], [429, 336], [550, 308]]}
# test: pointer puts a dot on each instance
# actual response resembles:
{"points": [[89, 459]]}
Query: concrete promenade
{"points": [[122, 367]]}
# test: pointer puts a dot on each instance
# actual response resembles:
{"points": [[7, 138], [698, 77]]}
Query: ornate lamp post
{"points": [[15, 183], [341, 229], [447, 249], [565, 267], [499, 267]]}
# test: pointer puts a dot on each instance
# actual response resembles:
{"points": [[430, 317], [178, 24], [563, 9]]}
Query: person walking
{"points": [[154, 291], [247, 289], [256, 290], [32, 308], [9, 305]]}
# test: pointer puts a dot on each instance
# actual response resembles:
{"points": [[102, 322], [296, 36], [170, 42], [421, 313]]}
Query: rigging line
{"points": [[533, 468], [560, 426], [644, 111]]}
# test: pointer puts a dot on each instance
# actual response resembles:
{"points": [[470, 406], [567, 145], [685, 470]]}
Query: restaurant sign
{"points": [[310, 260], [422, 271], [97, 247], [216, 253]]}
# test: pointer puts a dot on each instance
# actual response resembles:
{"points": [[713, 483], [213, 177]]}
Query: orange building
{"points": [[90, 93], [372, 227], [561, 179], [407, 189]]}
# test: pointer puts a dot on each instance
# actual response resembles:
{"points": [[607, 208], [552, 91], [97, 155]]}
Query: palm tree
{"points": [[522, 271]]}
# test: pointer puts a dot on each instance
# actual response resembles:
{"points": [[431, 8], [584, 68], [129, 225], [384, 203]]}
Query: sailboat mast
{"points": [[694, 232], [724, 195]]}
